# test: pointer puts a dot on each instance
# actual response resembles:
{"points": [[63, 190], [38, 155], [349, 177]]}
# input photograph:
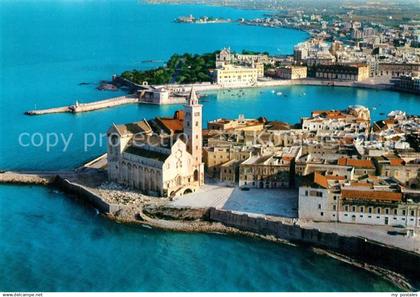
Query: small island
{"points": [[202, 20]]}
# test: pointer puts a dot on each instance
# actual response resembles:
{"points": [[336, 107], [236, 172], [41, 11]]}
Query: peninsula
{"points": [[334, 181]]}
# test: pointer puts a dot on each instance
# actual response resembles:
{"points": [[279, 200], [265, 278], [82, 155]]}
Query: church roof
{"points": [[133, 128], [146, 153]]}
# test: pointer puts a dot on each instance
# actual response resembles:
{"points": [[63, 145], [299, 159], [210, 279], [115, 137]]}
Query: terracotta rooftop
{"points": [[133, 128], [173, 124], [322, 180], [371, 195], [356, 163], [396, 162]]}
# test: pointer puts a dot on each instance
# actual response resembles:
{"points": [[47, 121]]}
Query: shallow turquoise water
{"points": [[49, 242], [52, 243]]}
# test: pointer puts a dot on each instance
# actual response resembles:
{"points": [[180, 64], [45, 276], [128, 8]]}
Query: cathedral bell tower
{"points": [[193, 132]]}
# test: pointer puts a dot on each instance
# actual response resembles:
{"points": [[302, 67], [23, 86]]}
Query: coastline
{"points": [[360, 252]]}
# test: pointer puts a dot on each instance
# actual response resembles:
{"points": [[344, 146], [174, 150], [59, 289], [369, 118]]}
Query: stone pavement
{"points": [[274, 202]]}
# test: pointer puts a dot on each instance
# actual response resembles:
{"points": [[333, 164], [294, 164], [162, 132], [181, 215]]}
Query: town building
{"points": [[377, 202], [319, 196], [398, 69], [268, 171], [372, 201], [407, 83], [291, 72], [232, 75], [353, 121], [342, 72]]}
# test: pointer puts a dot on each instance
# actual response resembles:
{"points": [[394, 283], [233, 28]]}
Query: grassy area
{"points": [[184, 68]]}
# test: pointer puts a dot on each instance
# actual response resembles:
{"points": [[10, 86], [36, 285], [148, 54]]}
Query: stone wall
{"points": [[87, 195], [172, 213], [383, 256]]}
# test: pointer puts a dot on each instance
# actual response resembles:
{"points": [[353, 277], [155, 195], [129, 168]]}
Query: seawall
{"points": [[87, 195], [85, 107], [377, 254]]}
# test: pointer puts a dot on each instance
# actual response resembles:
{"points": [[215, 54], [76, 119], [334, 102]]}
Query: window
{"points": [[395, 212], [370, 210], [319, 206], [346, 208], [378, 210], [412, 213], [386, 211], [362, 209], [403, 212], [322, 214], [334, 207], [196, 123], [353, 209]]}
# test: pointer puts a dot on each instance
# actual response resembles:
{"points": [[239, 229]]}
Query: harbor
{"points": [[170, 92]]}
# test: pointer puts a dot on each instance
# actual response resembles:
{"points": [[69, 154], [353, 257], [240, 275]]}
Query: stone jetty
{"points": [[32, 177], [85, 107]]}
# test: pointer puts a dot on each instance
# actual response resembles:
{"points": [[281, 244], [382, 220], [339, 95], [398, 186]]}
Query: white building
{"points": [[374, 201], [233, 75], [160, 157]]}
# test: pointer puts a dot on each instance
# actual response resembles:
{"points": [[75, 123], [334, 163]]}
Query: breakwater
{"points": [[32, 177], [89, 196], [85, 107]]}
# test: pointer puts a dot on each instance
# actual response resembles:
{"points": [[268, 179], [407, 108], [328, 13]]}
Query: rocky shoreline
{"points": [[129, 207], [137, 209], [202, 226]]}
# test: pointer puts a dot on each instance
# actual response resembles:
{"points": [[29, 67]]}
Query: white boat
{"points": [[279, 94], [272, 91]]}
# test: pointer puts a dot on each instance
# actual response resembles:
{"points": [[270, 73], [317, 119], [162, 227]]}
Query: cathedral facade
{"points": [[159, 157]]}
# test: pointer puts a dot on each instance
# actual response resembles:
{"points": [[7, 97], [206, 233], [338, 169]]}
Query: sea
{"points": [[54, 53]]}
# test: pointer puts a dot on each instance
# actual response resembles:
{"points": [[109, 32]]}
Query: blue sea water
{"points": [[52, 243], [47, 241]]}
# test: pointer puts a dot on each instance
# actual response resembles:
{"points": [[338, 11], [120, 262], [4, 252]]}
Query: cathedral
{"points": [[159, 157]]}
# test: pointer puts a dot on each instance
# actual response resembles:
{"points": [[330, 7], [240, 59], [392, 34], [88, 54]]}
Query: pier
{"points": [[85, 107], [33, 177]]}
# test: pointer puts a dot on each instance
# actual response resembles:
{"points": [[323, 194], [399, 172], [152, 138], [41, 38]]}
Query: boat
{"points": [[272, 91], [279, 94]]}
